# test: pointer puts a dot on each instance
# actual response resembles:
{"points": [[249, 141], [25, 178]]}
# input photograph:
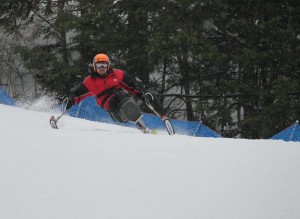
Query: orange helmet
{"points": [[101, 57]]}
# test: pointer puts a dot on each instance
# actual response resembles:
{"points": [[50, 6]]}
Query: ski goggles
{"points": [[101, 64]]}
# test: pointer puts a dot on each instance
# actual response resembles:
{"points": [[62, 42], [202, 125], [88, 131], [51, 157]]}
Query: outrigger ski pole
{"points": [[165, 119], [53, 120]]}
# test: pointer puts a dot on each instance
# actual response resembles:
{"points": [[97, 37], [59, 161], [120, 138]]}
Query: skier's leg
{"points": [[141, 126], [123, 108], [118, 118], [130, 110], [114, 108]]}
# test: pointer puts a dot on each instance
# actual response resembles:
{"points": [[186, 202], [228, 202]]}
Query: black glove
{"points": [[70, 103], [141, 95]]}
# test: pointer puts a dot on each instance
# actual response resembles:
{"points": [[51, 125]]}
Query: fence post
{"points": [[294, 131], [198, 128], [79, 106]]}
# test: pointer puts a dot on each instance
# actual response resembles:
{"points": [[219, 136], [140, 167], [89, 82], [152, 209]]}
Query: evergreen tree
{"points": [[265, 48], [50, 22]]}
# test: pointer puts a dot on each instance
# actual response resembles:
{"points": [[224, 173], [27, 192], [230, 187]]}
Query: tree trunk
{"points": [[185, 72], [62, 32], [138, 64]]}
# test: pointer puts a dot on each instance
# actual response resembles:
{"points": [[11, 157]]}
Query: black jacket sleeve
{"points": [[134, 88], [79, 90], [76, 95], [130, 82]]}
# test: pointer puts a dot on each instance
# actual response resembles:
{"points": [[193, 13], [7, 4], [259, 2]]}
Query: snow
{"points": [[94, 170]]}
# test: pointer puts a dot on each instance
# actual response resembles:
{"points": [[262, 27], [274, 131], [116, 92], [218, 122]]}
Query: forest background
{"points": [[234, 65]]}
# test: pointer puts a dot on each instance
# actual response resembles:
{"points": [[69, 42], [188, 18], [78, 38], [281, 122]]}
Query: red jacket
{"points": [[104, 87]]}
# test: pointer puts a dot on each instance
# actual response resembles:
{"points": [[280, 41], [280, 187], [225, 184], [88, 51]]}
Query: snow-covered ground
{"points": [[89, 170]]}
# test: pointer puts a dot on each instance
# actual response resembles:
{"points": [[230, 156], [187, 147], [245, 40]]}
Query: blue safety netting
{"points": [[88, 109], [291, 133], [5, 98]]}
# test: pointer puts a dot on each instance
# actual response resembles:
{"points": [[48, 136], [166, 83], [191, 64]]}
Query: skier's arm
{"points": [[77, 95], [129, 82], [130, 85]]}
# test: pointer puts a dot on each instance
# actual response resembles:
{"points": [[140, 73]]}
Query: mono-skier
{"points": [[113, 90]]}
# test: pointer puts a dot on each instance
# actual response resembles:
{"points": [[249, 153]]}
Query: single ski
{"points": [[53, 122], [164, 118], [168, 125]]}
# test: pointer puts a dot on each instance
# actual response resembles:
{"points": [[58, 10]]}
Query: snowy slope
{"points": [[89, 170]]}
